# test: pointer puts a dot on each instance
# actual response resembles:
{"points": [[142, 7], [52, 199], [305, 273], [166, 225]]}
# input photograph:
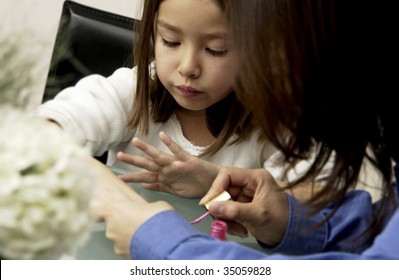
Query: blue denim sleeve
{"points": [[168, 236], [298, 238], [340, 233], [385, 246]]}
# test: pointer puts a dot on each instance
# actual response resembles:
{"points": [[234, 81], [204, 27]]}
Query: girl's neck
{"points": [[194, 127]]}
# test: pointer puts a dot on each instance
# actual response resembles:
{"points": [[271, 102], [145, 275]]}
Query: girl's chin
{"points": [[191, 107]]}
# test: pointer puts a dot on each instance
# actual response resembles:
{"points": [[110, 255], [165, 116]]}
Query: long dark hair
{"points": [[315, 75], [152, 100]]}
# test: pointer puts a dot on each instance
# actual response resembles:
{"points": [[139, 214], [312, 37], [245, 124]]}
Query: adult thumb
{"points": [[235, 211]]}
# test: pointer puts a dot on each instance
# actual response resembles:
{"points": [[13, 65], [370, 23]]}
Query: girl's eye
{"points": [[216, 53], [170, 44]]}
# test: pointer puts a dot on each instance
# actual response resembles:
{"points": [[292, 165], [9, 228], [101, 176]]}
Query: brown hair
{"points": [[314, 76], [152, 100]]}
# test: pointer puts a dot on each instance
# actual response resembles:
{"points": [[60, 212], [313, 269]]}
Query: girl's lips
{"points": [[188, 91]]}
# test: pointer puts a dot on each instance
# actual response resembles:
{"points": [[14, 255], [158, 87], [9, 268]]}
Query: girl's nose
{"points": [[189, 66]]}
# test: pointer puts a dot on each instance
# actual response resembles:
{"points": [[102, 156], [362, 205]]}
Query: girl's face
{"points": [[194, 53]]}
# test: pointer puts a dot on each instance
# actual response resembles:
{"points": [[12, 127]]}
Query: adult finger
{"points": [[222, 182], [236, 211]]}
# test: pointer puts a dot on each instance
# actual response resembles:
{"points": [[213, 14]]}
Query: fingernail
{"points": [[216, 208]]}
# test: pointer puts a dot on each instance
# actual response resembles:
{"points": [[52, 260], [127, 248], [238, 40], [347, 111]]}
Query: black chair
{"points": [[88, 41]]}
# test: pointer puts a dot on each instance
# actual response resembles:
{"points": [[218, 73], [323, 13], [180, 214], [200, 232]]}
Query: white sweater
{"points": [[97, 109]]}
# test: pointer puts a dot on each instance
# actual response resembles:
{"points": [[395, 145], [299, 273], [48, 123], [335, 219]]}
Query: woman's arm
{"points": [[143, 230]]}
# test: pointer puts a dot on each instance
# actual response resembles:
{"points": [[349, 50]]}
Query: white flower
{"points": [[45, 189]]}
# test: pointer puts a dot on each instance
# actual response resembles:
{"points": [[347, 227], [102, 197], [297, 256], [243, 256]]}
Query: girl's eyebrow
{"points": [[209, 36], [166, 25]]}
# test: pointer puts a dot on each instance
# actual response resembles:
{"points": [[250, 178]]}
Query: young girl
{"points": [[313, 40], [183, 85]]}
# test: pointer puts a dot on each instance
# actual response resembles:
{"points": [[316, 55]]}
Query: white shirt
{"points": [[95, 112]]}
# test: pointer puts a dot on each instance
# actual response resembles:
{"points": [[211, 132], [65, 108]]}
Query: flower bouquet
{"points": [[45, 185], [45, 189]]}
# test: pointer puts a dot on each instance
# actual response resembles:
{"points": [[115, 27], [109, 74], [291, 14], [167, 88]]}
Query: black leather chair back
{"points": [[88, 41]]}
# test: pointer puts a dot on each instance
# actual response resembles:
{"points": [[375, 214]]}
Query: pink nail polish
{"points": [[218, 230]]}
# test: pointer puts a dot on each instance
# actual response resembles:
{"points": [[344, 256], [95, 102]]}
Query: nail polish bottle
{"points": [[218, 230]]}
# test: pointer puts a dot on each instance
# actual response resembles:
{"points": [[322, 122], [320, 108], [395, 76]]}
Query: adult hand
{"points": [[120, 207], [181, 173], [125, 217], [258, 204]]}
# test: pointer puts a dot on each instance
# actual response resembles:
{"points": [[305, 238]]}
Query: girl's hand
{"points": [[258, 205], [108, 189], [180, 173]]}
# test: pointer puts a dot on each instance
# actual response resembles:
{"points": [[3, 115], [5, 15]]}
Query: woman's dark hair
{"points": [[317, 76], [152, 100]]}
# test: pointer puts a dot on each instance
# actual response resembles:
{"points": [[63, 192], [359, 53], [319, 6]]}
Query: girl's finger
{"points": [[139, 177], [141, 162], [157, 155], [176, 150]]}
